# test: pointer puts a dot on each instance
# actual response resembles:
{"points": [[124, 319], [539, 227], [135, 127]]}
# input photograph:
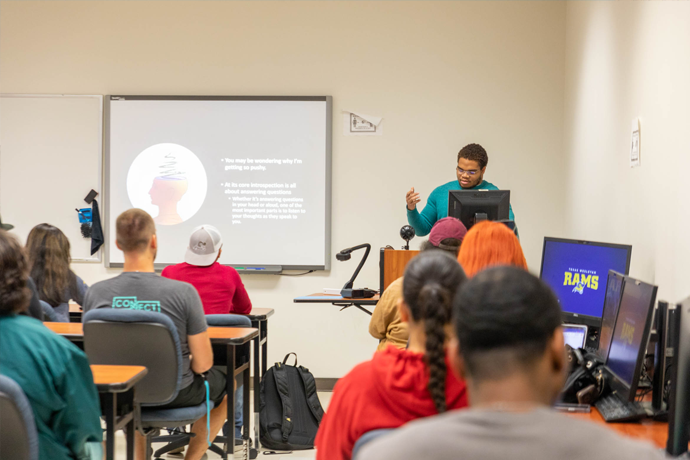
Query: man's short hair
{"points": [[14, 271], [474, 152], [134, 229], [504, 318]]}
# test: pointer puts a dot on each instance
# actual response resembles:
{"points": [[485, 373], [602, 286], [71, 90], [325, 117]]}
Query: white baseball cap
{"points": [[204, 244]]}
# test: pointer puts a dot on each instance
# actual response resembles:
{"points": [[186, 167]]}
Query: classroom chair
{"points": [[367, 438], [219, 320], [49, 314], [18, 436], [142, 338], [229, 320]]}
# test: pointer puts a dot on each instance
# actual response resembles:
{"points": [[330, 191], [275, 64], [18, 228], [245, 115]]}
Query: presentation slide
{"points": [[254, 169], [577, 273]]}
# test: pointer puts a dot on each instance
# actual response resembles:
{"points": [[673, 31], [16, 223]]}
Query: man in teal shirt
{"points": [[472, 161], [53, 373]]}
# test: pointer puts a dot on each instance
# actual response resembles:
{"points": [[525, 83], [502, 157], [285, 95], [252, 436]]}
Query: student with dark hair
{"points": [[399, 385], [49, 260], [53, 373], [136, 238], [470, 169], [386, 324], [510, 350]]}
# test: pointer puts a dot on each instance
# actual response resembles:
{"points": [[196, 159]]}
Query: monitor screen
{"points": [[631, 330], [614, 289], [574, 335], [577, 271]]}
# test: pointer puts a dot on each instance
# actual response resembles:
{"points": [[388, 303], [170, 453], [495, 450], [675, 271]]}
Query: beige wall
{"points": [[442, 74], [627, 60]]}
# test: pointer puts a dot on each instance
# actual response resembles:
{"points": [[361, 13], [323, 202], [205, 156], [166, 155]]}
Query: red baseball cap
{"points": [[448, 227]]}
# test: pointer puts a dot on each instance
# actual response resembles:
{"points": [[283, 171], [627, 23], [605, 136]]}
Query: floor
{"points": [[325, 398]]}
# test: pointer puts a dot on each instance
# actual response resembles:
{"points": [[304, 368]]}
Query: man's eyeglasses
{"points": [[469, 173]]}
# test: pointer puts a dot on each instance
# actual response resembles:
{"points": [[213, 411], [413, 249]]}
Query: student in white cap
{"points": [[220, 287]]}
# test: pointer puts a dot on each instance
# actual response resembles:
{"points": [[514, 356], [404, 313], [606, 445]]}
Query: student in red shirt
{"points": [[400, 385], [220, 287]]}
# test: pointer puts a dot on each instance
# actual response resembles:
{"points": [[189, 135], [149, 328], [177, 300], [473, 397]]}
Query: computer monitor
{"points": [[630, 336], [614, 289], [576, 271], [574, 335], [472, 206]]}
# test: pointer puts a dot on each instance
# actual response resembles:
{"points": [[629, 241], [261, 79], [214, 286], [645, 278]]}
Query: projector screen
{"points": [[256, 168]]}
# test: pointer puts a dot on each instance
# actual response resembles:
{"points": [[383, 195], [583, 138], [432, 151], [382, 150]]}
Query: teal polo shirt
{"points": [[56, 378], [437, 206]]}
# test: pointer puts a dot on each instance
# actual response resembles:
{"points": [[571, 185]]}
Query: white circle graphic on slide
{"points": [[168, 181]]}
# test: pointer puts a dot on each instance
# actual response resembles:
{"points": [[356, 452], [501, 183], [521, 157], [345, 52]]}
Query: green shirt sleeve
{"points": [[78, 424], [422, 222]]}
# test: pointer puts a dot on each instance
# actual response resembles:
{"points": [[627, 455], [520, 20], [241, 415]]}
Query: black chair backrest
{"points": [[137, 338], [18, 437]]}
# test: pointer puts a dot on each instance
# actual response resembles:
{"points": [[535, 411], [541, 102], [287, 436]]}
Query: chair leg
{"points": [[174, 442], [149, 450]]}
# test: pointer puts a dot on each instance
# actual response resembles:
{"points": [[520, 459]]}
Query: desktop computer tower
{"points": [[678, 374]]}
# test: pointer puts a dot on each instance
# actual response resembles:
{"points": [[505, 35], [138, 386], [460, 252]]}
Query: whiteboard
{"points": [[51, 149]]}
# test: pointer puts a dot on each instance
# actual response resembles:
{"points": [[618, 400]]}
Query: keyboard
{"points": [[613, 410]]}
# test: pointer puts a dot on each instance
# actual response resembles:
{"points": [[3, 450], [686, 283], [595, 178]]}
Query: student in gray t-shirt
{"points": [[140, 288], [511, 352]]}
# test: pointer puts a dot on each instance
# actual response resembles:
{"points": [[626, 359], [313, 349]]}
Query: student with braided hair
{"points": [[400, 385]]}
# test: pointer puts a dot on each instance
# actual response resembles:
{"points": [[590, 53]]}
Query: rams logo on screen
{"points": [[581, 281], [628, 332]]}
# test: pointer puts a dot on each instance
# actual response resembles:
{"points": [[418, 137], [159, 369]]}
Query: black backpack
{"points": [[290, 411]]}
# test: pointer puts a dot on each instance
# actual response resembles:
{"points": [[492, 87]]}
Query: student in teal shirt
{"points": [[53, 373], [472, 161]]}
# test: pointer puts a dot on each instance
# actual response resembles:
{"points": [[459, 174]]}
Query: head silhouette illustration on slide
{"points": [[167, 190]]}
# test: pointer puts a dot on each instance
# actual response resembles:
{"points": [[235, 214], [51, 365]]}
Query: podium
{"points": [[392, 265]]}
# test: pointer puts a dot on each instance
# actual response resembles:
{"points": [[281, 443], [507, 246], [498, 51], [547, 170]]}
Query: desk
{"points": [[339, 301], [230, 349], [259, 318], [646, 430], [75, 313], [115, 386]]}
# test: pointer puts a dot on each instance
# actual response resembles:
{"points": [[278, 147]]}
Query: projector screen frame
{"points": [[245, 268]]}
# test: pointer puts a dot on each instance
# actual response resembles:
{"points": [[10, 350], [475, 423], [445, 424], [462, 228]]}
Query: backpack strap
{"points": [[310, 392], [281, 378]]}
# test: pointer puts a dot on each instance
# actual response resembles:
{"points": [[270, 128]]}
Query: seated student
{"points": [[510, 350], [220, 287], [385, 324], [399, 385], [136, 237], [53, 373], [489, 244], [48, 250]]}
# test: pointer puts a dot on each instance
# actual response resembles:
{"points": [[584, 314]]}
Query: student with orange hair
{"points": [[488, 244]]}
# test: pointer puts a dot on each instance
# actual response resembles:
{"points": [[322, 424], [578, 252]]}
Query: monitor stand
{"points": [[480, 216]]}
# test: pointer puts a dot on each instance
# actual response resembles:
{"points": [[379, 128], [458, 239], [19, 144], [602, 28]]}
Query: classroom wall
{"points": [[442, 74], [627, 60]]}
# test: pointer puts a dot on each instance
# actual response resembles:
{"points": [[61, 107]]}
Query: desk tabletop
{"points": [[646, 430], [230, 335], [261, 313], [256, 313], [116, 379], [321, 297]]}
